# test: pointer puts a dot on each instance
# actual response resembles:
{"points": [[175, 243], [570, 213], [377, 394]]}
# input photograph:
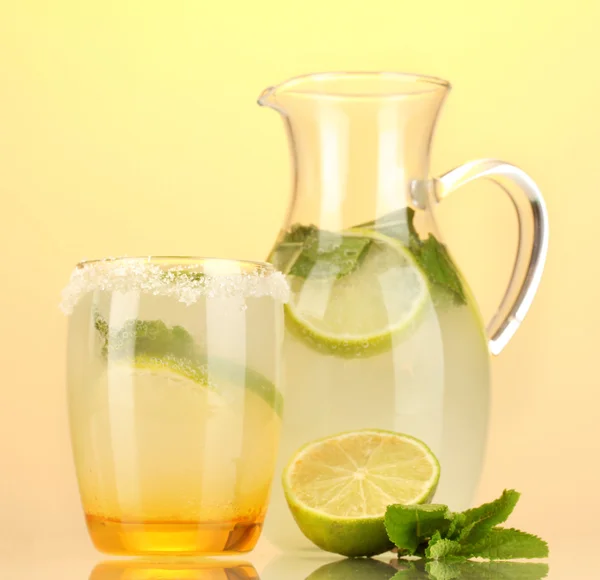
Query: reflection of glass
{"points": [[174, 401], [174, 570], [382, 329], [366, 569]]}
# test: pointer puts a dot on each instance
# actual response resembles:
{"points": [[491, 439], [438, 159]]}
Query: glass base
{"points": [[179, 538]]}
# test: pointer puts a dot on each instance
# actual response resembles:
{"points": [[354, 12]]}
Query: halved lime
{"points": [[359, 314], [338, 488]]}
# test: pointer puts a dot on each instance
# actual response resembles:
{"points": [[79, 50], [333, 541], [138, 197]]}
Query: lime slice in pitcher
{"points": [[361, 313], [338, 488]]}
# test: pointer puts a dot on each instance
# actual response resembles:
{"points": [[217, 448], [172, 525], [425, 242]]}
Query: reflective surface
{"points": [[571, 559]]}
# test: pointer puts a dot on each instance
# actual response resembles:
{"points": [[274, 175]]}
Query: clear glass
{"points": [[174, 401], [382, 330]]}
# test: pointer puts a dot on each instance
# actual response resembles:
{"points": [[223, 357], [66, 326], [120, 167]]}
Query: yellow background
{"points": [[131, 128]]}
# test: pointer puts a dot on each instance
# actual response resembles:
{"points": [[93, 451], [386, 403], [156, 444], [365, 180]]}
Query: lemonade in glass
{"points": [[174, 400]]}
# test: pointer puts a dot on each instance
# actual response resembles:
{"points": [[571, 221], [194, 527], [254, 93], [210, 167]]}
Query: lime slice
{"points": [[172, 371], [338, 488], [361, 313], [164, 385]]}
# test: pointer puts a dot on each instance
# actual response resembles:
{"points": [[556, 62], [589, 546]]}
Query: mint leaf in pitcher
{"points": [[319, 253], [309, 251], [435, 261], [431, 255]]}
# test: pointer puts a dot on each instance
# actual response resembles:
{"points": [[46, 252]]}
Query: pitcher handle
{"points": [[527, 200]]}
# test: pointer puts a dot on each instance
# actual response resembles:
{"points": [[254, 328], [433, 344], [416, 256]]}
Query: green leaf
{"points": [[479, 521], [408, 525], [507, 544], [309, 251], [456, 527], [397, 224], [435, 261], [145, 337], [323, 254], [442, 549]]}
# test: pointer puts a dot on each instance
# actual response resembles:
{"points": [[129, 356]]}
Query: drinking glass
{"points": [[174, 400]]}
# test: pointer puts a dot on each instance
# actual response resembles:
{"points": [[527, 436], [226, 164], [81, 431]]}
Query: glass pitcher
{"points": [[382, 330]]}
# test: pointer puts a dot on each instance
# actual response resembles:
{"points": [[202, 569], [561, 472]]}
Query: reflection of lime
{"points": [[364, 569], [359, 314], [338, 488]]}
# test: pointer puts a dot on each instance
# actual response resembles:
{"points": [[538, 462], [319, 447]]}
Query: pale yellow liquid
{"points": [[167, 465], [432, 384]]}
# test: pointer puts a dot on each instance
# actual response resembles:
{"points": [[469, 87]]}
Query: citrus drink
{"points": [[381, 333], [175, 413]]}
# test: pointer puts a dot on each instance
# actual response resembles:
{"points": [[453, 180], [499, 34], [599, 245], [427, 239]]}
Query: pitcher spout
{"points": [[266, 98]]}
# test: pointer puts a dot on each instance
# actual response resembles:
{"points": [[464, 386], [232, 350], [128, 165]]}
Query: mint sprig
{"points": [[309, 251], [434, 532], [323, 254]]}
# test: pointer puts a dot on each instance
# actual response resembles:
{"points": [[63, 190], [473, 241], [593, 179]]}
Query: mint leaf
{"points": [[145, 337], [430, 254], [440, 549], [323, 254], [435, 261], [456, 527], [397, 224], [479, 521], [408, 525], [507, 544], [309, 251], [438, 570]]}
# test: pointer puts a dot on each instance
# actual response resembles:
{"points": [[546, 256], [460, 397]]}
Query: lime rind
{"points": [[351, 536], [175, 365], [215, 373], [347, 345]]}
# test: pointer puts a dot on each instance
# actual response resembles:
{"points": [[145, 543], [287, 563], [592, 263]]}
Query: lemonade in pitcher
{"points": [[381, 330]]}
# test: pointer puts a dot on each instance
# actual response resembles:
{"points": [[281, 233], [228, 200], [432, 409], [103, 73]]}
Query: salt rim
{"points": [[182, 282]]}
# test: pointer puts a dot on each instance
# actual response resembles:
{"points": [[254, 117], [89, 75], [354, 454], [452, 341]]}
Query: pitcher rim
{"points": [[415, 78]]}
